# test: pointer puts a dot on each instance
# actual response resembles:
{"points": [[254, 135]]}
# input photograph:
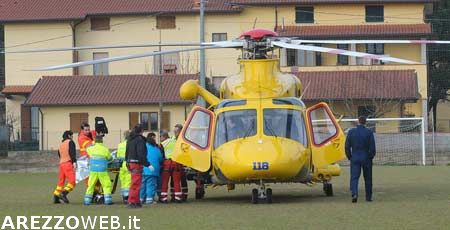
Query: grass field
{"points": [[404, 198]]}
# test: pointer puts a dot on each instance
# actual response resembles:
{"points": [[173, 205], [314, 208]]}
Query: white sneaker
{"points": [[149, 201]]}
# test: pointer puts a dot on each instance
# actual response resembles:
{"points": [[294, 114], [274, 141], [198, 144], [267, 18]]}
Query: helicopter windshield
{"points": [[287, 123], [235, 124]]}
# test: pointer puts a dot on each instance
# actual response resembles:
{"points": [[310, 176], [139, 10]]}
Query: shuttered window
{"points": [[166, 120], [25, 122], [165, 22], [133, 119], [76, 119], [100, 23]]}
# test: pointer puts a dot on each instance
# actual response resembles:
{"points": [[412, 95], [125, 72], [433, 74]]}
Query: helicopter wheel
{"points": [[199, 193], [328, 189], [269, 195], [255, 196]]}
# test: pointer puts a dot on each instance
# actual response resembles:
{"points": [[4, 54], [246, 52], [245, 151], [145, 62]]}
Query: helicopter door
{"points": [[193, 147], [327, 138]]}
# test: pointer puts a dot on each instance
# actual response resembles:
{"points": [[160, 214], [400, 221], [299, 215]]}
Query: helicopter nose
{"points": [[263, 158]]}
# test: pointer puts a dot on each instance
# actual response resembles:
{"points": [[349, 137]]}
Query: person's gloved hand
{"points": [[152, 169]]}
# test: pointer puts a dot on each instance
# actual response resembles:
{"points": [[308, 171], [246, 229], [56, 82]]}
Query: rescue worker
{"points": [[360, 151], [150, 178], [99, 156], [183, 180], [171, 171], [136, 157], [124, 174], [67, 165], [86, 137], [161, 148]]}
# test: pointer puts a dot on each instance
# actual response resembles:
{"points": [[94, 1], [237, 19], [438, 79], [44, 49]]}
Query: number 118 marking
{"points": [[260, 166]]}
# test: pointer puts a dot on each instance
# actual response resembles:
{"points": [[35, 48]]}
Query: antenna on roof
{"points": [[254, 22], [282, 24]]}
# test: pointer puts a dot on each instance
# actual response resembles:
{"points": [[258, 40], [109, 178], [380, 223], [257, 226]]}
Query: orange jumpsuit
{"points": [[85, 141], [67, 156]]}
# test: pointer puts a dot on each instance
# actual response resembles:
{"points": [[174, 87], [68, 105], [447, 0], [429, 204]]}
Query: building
{"points": [[32, 25], [64, 102]]}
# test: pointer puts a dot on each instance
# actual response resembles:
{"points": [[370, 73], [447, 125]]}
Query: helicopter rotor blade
{"points": [[120, 58], [342, 52], [295, 41], [100, 47], [222, 44], [226, 44]]}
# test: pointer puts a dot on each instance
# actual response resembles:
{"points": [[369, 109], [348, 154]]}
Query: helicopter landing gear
{"points": [[262, 194], [199, 188], [328, 188]]}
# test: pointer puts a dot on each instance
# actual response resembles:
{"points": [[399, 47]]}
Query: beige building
{"points": [[64, 102], [106, 22]]}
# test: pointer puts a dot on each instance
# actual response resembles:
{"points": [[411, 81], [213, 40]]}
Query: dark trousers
{"points": [[355, 173], [136, 183]]}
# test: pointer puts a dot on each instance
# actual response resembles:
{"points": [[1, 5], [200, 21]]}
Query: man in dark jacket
{"points": [[360, 151], [136, 158]]}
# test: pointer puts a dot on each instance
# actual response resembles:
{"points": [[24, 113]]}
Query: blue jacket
{"points": [[360, 144], [154, 157]]}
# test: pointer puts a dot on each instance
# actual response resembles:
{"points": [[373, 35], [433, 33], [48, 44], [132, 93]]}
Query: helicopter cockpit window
{"points": [[322, 126], [288, 101], [287, 123], [235, 124], [228, 103], [197, 131]]}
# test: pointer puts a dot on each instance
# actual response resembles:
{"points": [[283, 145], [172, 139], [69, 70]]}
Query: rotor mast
{"points": [[202, 51]]}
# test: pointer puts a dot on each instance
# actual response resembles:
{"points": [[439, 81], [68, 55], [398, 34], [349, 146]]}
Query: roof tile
{"points": [[45, 10], [17, 89], [309, 2], [342, 85], [107, 90], [313, 31]]}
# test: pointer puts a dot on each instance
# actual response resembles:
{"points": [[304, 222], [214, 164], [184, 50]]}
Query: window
{"points": [[35, 123], [169, 65], [217, 37], [304, 14], [149, 121], [197, 131], [322, 126], [217, 81], [287, 123], [165, 22], [100, 69], [374, 13], [235, 124], [76, 119], [100, 23], [375, 48], [342, 59], [302, 58]]}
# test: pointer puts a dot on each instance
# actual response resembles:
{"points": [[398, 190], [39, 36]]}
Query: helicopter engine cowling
{"points": [[191, 89]]}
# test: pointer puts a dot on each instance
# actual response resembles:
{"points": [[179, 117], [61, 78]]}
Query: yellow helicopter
{"points": [[258, 131]]}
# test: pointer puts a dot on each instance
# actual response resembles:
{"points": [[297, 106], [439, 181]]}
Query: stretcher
{"points": [[114, 166]]}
